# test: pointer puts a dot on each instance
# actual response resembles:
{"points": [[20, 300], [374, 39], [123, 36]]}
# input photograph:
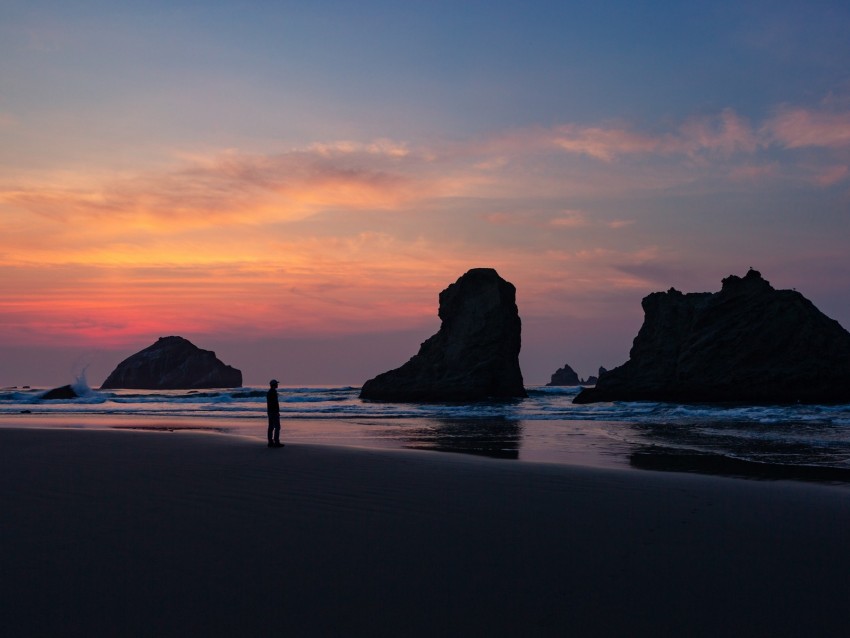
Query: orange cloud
{"points": [[220, 191]]}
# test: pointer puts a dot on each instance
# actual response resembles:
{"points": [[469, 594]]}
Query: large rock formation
{"points": [[746, 343], [173, 363], [474, 355]]}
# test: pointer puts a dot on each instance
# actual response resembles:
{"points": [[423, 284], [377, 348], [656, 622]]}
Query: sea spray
{"points": [[80, 385]]}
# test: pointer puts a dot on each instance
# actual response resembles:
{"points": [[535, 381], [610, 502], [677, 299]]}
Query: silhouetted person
{"points": [[273, 407]]}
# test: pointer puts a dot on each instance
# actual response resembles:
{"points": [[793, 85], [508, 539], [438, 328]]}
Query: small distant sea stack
{"points": [[564, 376], [64, 392], [747, 343], [567, 376], [475, 354], [173, 363]]}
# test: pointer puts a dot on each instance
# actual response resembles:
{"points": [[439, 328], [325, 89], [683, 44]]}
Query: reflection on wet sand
{"points": [[497, 438], [171, 428], [671, 460]]}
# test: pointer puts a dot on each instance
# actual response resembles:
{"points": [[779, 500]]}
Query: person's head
{"points": [[273, 383]]}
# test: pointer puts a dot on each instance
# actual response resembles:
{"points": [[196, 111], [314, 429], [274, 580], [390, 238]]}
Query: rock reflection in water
{"points": [[497, 438]]}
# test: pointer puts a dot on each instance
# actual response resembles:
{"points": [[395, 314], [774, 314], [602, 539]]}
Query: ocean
{"points": [[761, 441]]}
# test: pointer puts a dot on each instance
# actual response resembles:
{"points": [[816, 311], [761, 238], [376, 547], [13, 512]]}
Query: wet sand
{"points": [[168, 533]]}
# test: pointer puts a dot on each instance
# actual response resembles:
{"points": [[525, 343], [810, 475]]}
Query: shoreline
{"points": [[142, 534], [575, 442]]}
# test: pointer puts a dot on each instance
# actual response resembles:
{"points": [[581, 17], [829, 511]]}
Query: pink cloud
{"points": [[564, 219], [832, 175], [726, 133], [503, 219], [570, 219], [753, 172], [799, 127], [602, 143], [383, 147]]}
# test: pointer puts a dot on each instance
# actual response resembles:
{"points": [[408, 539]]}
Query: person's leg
{"points": [[277, 429], [271, 431]]}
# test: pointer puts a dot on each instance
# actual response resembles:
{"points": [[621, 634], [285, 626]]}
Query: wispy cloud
{"points": [[235, 188], [725, 134], [753, 172], [602, 143], [800, 127], [827, 176], [225, 188], [558, 219]]}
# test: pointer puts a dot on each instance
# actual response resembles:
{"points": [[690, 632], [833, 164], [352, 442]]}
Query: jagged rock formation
{"points": [[568, 376], [593, 380], [474, 355], [746, 343], [564, 376], [64, 392], [173, 363]]}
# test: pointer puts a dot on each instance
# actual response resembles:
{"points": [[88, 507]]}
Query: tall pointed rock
{"points": [[475, 354]]}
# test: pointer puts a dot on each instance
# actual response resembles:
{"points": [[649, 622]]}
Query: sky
{"points": [[292, 184]]}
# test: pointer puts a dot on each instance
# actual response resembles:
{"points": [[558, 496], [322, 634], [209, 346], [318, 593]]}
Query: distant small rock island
{"points": [[64, 392], [747, 343], [475, 354], [564, 376], [173, 363], [568, 376]]}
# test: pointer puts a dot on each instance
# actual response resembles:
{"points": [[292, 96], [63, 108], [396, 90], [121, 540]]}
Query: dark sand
{"points": [[175, 534]]}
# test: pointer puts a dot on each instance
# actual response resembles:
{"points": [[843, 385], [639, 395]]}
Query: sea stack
{"points": [[475, 354], [564, 376], [747, 343], [65, 392], [173, 363]]}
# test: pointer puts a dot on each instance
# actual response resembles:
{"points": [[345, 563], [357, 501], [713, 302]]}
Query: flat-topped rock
{"points": [[746, 343], [173, 363], [475, 354]]}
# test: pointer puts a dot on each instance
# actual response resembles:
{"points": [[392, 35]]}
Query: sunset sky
{"points": [[291, 184]]}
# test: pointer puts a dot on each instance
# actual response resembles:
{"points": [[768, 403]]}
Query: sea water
{"points": [[546, 426]]}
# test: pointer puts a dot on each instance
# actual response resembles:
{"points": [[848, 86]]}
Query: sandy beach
{"points": [[166, 534]]}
